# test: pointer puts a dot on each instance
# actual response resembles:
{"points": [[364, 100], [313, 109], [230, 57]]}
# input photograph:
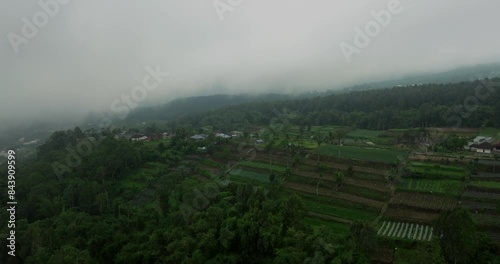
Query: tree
{"points": [[350, 171], [339, 178], [272, 177], [318, 138], [340, 134], [458, 236]]}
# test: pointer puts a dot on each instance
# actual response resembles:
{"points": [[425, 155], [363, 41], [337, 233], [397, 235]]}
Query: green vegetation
{"points": [[487, 184], [338, 211], [251, 175], [364, 133], [490, 132], [369, 154], [259, 165], [436, 171], [444, 187], [340, 229]]}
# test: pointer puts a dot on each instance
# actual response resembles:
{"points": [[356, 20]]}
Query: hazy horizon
{"points": [[90, 53]]}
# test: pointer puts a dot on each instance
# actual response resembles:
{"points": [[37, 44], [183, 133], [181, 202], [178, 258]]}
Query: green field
{"points": [[338, 228], [370, 154], [138, 179], [437, 171], [490, 132], [365, 133], [259, 165], [250, 175], [444, 187], [487, 184], [337, 211]]}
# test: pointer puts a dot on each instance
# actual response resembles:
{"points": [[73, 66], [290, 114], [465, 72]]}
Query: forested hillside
{"points": [[465, 104], [145, 203]]}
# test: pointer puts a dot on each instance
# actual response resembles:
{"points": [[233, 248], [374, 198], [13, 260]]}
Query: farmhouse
{"points": [[236, 134], [484, 147], [222, 135], [199, 137], [259, 141], [139, 137], [481, 139], [166, 135]]}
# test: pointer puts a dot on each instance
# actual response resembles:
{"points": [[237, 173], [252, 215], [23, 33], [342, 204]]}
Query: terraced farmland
{"points": [[424, 201], [338, 211], [403, 230], [437, 171], [486, 184], [481, 195], [339, 229], [444, 187], [369, 154]]}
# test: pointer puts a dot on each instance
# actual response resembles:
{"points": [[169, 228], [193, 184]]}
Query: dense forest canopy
{"points": [[465, 104]]}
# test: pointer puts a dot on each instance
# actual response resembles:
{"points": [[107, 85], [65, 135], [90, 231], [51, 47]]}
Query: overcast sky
{"points": [[91, 52]]}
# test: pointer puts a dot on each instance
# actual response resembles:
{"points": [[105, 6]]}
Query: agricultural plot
{"points": [[443, 187], [486, 219], [250, 175], [368, 154], [490, 132], [338, 211], [473, 205], [339, 229], [406, 230], [475, 195], [259, 165], [486, 184], [424, 201], [437, 171], [365, 133], [486, 176], [139, 179]]}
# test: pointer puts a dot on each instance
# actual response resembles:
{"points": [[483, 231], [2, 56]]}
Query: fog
{"points": [[92, 52]]}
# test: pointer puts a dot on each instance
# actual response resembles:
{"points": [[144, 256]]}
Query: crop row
{"points": [[406, 231]]}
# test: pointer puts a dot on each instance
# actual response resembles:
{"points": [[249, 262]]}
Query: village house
{"points": [[484, 147], [481, 144], [199, 137], [139, 137], [222, 135]]}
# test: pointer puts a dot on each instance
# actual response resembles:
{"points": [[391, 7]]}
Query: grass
{"points": [[365, 192], [337, 202], [338, 228], [139, 178], [364, 133], [251, 175], [486, 184], [210, 163], [262, 166], [437, 171], [444, 187], [369, 154], [404, 256], [337, 211], [490, 132]]}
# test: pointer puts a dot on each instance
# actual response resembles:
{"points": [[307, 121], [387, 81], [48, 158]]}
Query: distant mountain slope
{"points": [[185, 106], [461, 74]]}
